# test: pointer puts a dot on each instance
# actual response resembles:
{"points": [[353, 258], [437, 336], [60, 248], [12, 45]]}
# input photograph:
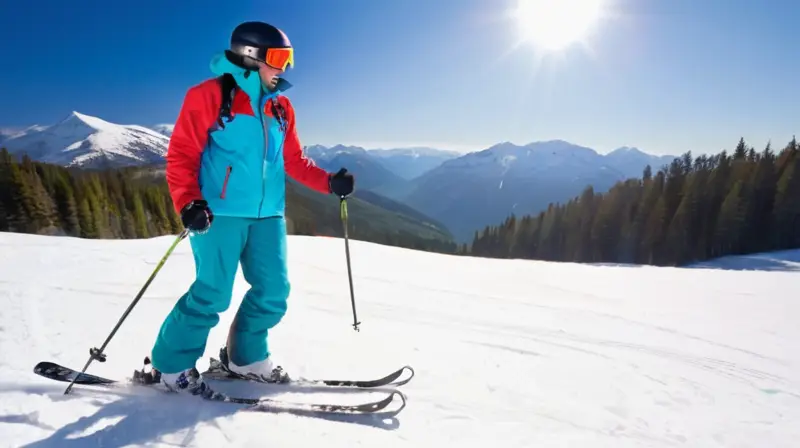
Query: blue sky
{"points": [[663, 75]]}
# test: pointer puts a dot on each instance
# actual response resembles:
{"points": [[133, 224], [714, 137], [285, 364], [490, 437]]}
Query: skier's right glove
{"points": [[196, 216], [341, 183]]}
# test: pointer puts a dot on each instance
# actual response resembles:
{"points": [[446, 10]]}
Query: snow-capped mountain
{"points": [[90, 142], [484, 187], [165, 129]]}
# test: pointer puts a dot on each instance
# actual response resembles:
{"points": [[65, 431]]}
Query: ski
{"points": [[272, 405], [60, 373], [219, 371], [53, 371]]}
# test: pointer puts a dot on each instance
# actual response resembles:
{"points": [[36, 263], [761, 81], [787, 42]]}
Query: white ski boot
{"points": [[264, 371]]}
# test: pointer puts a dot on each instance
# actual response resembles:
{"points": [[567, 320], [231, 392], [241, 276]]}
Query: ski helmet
{"points": [[259, 41]]}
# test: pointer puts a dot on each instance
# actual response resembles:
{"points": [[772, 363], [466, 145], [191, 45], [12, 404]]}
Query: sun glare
{"points": [[554, 25]]}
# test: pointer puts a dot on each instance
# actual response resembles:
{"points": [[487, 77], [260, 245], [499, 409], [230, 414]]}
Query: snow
{"points": [[785, 260], [507, 353]]}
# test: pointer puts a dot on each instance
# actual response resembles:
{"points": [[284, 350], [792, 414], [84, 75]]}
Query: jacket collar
{"points": [[247, 80]]}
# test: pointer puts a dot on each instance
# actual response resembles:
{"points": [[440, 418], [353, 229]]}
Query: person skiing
{"points": [[226, 168]]}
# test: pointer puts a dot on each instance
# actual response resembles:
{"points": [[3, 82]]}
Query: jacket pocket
{"points": [[225, 182]]}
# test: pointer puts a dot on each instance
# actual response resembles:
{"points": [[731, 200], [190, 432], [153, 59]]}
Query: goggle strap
{"points": [[246, 50]]}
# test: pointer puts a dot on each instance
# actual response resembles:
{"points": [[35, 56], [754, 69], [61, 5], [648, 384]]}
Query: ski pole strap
{"points": [[343, 208]]}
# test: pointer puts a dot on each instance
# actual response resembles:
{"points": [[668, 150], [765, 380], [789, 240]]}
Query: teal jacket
{"points": [[239, 169]]}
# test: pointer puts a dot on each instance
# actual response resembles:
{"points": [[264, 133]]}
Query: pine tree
{"points": [[67, 208], [731, 220], [139, 217]]}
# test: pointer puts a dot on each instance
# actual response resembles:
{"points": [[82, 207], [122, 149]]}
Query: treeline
{"points": [[41, 198], [691, 210], [53, 200]]}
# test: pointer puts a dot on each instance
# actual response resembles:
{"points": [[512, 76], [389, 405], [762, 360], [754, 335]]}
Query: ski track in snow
{"points": [[507, 353]]}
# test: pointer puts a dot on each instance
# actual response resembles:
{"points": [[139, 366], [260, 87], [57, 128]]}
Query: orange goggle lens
{"points": [[279, 57]]}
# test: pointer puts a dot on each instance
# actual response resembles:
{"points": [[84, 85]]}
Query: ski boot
{"points": [[188, 381], [263, 371]]}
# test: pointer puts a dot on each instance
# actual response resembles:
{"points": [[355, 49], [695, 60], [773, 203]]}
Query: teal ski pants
{"points": [[260, 246]]}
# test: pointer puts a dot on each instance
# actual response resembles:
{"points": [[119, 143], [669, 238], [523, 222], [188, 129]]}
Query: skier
{"points": [[226, 178]]}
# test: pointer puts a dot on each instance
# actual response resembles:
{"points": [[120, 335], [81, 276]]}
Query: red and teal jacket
{"points": [[240, 170]]}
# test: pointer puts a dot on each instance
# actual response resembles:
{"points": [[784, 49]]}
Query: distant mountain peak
{"points": [[77, 118], [164, 128], [415, 151], [348, 149], [627, 150], [502, 146], [553, 142]]}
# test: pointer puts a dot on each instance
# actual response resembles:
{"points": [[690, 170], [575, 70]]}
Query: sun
{"points": [[554, 25]]}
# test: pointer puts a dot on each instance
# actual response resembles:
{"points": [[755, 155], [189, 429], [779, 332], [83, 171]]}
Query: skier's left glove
{"points": [[196, 216], [341, 183]]}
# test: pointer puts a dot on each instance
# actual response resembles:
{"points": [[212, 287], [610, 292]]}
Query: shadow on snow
{"points": [[147, 417]]}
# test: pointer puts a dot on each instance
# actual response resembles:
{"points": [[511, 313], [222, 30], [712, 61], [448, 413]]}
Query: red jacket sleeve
{"points": [[298, 166], [198, 114]]}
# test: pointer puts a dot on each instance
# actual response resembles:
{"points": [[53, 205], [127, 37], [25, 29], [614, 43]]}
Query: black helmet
{"points": [[250, 40]]}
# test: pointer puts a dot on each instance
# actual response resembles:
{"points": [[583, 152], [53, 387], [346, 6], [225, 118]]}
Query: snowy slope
{"points": [[90, 142], [784, 260], [507, 353]]}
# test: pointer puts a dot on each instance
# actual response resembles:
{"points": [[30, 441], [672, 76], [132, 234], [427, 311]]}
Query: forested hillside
{"points": [[692, 210], [135, 203]]}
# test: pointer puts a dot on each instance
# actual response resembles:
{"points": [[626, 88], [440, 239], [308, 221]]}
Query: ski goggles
{"points": [[275, 57], [279, 57]]}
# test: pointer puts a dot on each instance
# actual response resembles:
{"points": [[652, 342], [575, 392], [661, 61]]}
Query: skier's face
{"points": [[269, 75]]}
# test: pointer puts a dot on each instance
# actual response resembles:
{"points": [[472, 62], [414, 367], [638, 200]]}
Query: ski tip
{"points": [[380, 407], [391, 398], [405, 381], [45, 366], [403, 398]]}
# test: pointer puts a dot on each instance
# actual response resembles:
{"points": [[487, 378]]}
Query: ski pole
{"points": [[343, 203], [95, 353]]}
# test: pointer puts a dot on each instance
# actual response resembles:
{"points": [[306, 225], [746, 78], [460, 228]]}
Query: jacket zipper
{"points": [[264, 159], [225, 184]]}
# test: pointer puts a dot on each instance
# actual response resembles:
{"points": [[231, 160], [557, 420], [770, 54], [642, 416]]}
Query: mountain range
{"points": [[483, 188], [467, 192], [461, 192]]}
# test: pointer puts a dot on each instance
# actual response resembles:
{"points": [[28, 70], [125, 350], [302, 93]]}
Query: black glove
{"points": [[196, 216], [341, 183]]}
